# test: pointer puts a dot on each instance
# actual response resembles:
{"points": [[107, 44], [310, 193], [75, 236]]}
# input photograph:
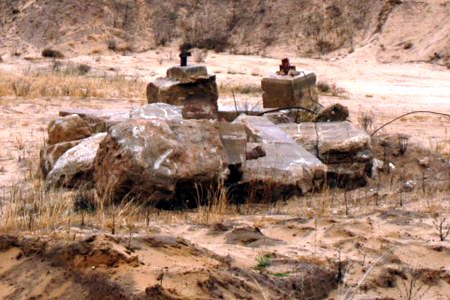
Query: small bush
{"points": [[263, 262], [324, 87], [407, 46], [21, 87], [50, 53], [83, 69]]}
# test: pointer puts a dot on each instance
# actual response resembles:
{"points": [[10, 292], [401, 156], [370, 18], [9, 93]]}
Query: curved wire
{"points": [[410, 113]]}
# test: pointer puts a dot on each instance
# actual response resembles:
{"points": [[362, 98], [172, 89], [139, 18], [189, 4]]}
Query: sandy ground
{"points": [[390, 239], [381, 255]]}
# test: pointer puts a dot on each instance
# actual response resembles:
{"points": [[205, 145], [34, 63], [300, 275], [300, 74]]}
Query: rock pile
{"points": [[178, 153]]}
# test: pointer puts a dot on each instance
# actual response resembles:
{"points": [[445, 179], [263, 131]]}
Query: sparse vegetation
{"points": [[67, 81], [263, 261], [51, 53], [442, 227]]}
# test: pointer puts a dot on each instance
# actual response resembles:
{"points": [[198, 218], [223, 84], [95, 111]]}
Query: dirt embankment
{"points": [[389, 30]]}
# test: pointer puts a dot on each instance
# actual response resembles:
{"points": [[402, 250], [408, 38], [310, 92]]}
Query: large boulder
{"points": [[159, 161], [68, 128], [75, 168]]}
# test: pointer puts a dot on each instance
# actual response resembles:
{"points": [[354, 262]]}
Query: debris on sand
{"points": [[165, 153]]}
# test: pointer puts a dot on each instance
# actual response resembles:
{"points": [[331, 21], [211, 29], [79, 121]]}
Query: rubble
{"points": [[169, 152]]}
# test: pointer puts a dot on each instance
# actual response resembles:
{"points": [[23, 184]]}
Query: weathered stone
{"points": [[291, 91], [157, 111], [187, 74], [343, 142], [333, 113], [280, 117], [99, 120], [197, 94], [75, 168], [159, 161], [199, 109], [342, 146], [234, 140], [304, 134], [174, 92], [50, 154], [65, 129], [287, 166]]}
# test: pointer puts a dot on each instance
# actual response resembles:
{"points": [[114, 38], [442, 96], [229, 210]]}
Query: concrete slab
{"points": [[286, 163], [304, 134], [340, 142]]}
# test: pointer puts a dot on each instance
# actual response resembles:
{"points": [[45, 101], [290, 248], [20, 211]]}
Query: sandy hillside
{"points": [[389, 30]]}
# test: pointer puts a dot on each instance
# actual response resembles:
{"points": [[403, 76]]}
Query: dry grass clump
{"points": [[330, 89], [67, 82], [50, 53], [239, 88]]}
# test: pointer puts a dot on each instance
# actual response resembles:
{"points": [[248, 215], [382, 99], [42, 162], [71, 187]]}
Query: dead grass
{"points": [[239, 88], [68, 82]]}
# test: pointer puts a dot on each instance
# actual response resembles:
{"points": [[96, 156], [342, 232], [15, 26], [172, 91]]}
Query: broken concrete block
{"points": [[343, 142], [290, 91], [75, 168], [187, 74], [99, 120], [69, 128], [160, 162], [190, 87], [342, 146], [286, 166], [234, 140]]}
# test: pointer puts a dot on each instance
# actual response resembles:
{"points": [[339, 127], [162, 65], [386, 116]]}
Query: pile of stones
{"points": [[175, 151]]}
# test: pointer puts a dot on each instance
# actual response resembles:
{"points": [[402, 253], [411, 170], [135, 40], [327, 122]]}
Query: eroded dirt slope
{"points": [[390, 30]]}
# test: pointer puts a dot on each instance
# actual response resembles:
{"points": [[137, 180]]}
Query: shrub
{"points": [[21, 87], [112, 45], [324, 87], [50, 53], [407, 46]]}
